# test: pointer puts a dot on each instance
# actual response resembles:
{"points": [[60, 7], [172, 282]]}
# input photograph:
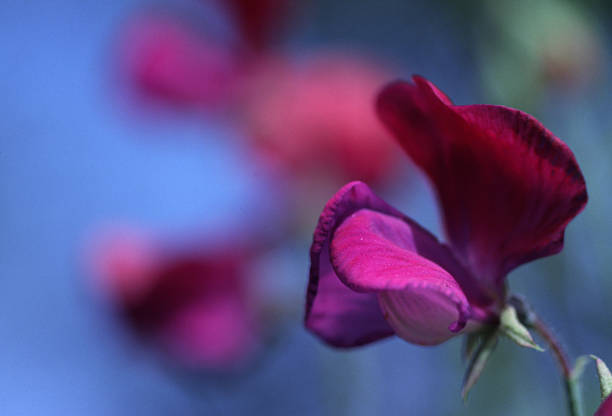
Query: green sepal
{"points": [[524, 311], [471, 342], [486, 345], [511, 327], [579, 367], [605, 377]]}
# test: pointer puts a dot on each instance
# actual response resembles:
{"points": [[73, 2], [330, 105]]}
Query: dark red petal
{"points": [[337, 314], [379, 253], [258, 20], [606, 408], [507, 186]]}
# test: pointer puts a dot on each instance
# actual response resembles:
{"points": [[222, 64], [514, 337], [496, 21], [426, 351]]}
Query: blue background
{"points": [[74, 156]]}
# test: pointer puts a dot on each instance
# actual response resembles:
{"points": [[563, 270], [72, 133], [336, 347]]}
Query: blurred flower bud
{"points": [[167, 60]]}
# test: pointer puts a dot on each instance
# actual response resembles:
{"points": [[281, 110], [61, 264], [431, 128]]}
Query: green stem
{"points": [[572, 394], [571, 386]]}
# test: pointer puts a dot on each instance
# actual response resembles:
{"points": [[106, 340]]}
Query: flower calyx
{"points": [[514, 321]]}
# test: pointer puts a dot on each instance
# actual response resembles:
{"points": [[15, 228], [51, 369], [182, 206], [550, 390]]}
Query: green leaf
{"points": [[478, 362], [605, 377], [515, 330]]}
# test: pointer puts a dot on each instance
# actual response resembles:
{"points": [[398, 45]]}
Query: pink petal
{"points": [[507, 186], [124, 263], [339, 315], [168, 61], [218, 333], [606, 408], [293, 114], [374, 252]]}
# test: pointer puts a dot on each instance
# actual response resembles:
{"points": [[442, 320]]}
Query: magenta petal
{"points": [[337, 314], [379, 253], [218, 332], [606, 408], [340, 316], [344, 316], [507, 186]]}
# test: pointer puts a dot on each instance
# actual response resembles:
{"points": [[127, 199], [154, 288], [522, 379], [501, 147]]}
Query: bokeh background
{"points": [[82, 152]]}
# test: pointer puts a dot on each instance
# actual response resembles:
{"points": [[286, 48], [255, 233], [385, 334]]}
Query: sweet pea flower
{"points": [[194, 304], [317, 116], [507, 188], [606, 408], [167, 60]]}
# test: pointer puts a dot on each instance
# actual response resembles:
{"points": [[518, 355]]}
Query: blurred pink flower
{"points": [[318, 117], [507, 188], [167, 60], [193, 303]]}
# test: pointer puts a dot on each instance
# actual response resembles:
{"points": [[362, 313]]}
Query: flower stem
{"points": [[571, 386]]}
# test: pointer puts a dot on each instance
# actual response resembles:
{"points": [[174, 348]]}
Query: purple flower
{"points": [[507, 188]]}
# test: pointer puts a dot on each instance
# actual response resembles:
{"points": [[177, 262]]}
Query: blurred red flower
{"points": [[193, 303]]}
